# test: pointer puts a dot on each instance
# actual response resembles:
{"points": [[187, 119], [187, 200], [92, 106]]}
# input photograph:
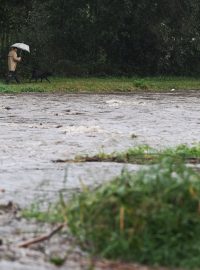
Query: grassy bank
{"points": [[103, 85]]}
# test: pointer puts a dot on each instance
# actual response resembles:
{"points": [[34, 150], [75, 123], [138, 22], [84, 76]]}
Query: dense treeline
{"points": [[119, 37]]}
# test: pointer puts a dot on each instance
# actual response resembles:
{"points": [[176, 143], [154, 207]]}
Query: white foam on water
{"points": [[118, 102], [82, 129]]}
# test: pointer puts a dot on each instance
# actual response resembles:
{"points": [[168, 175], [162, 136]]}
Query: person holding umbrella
{"points": [[13, 59]]}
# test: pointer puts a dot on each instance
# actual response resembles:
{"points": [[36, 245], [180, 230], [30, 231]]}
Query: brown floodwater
{"points": [[36, 129]]}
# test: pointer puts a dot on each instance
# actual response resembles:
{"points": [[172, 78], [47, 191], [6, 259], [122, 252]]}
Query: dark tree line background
{"points": [[104, 37]]}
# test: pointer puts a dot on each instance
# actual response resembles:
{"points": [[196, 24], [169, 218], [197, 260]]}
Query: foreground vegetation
{"points": [[151, 216], [103, 85]]}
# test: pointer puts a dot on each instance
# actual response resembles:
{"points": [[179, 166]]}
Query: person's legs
{"points": [[12, 75], [9, 76], [16, 78]]}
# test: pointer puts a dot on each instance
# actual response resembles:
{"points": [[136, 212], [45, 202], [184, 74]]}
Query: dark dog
{"points": [[37, 74]]}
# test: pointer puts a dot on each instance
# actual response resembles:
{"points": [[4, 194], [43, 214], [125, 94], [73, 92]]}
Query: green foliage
{"points": [[52, 214], [184, 151], [121, 37], [69, 68], [144, 154], [57, 261], [140, 84], [151, 217]]}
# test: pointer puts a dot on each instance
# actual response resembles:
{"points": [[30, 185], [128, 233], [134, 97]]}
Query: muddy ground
{"points": [[37, 129]]}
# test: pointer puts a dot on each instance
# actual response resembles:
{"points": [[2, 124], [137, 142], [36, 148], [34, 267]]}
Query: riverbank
{"points": [[104, 85]]}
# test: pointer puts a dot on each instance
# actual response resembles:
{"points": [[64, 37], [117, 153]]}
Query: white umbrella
{"points": [[21, 46]]}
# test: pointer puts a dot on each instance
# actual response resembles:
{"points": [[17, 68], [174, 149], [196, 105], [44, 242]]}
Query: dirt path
{"points": [[37, 129]]}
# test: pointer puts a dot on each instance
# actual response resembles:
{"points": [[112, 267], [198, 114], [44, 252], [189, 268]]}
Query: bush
{"points": [[151, 217], [69, 68], [104, 69]]}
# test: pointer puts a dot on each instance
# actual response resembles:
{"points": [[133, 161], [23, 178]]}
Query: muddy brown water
{"points": [[37, 129]]}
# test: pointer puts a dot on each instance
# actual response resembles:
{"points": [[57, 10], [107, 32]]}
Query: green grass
{"points": [[57, 261], [144, 154], [151, 217], [104, 85], [50, 215]]}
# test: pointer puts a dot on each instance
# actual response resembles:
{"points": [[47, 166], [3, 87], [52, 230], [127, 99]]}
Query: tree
{"points": [[109, 36]]}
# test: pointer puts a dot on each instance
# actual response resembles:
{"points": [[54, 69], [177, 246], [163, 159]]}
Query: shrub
{"points": [[151, 217], [69, 68]]}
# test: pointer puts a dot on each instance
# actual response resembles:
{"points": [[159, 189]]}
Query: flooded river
{"points": [[38, 129]]}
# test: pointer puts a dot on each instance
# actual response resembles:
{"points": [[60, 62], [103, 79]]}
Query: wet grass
{"points": [[104, 85], [144, 154], [151, 216]]}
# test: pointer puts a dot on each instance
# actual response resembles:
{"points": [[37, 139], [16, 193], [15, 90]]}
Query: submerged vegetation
{"points": [[103, 85], [145, 154]]}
